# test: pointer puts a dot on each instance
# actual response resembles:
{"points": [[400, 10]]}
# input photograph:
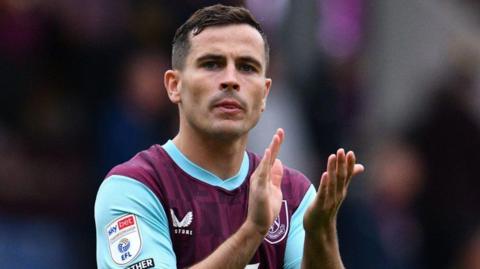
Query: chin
{"points": [[228, 131]]}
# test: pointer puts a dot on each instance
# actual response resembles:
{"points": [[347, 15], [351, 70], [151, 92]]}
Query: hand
{"points": [[321, 216], [265, 197]]}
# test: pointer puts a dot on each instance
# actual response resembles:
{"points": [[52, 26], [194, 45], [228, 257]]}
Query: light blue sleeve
{"points": [[120, 196], [296, 235]]}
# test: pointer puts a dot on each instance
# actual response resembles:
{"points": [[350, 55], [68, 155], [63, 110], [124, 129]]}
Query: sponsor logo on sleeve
{"points": [[124, 239], [126, 222], [143, 264], [279, 228]]}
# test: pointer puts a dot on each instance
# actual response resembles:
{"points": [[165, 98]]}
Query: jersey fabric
{"points": [[160, 210]]}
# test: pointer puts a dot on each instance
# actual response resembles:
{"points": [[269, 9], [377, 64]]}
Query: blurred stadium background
{"points": [[81, 89]]}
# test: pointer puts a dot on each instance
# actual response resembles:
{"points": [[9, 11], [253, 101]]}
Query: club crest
{"points": [[279, 229]]}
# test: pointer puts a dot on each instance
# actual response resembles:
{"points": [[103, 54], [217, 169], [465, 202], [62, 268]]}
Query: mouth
{"points": [[228, 106]]}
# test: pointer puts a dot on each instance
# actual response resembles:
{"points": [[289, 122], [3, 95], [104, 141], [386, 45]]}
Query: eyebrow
{"points": [[210, 56], [251, 60]]}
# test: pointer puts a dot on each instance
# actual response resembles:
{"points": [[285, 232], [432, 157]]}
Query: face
{"points": [[222, 88]]}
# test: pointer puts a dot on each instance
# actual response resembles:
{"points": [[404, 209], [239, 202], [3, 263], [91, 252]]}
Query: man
{"points": [[201, 200]]}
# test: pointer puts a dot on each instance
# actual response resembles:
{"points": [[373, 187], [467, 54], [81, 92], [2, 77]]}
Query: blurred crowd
{"points": [[81, 89]]}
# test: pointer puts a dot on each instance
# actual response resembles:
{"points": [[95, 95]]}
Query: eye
{"points": [[248, 68], [210, 65]]}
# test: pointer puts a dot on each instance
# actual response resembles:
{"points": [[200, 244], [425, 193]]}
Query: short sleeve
{"points": [[296, 235], [131, 226]]}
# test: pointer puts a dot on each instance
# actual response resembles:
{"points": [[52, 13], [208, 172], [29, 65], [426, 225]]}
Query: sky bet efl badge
{"points": [[124, 239]]}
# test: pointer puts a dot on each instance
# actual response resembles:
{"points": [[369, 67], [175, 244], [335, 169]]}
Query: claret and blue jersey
{"points": [[160, 210]]}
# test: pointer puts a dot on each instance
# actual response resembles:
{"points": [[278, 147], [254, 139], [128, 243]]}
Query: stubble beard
{"points": [[221, 129]]}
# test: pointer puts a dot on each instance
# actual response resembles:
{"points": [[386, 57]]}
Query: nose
{"points": [[229, 80]]}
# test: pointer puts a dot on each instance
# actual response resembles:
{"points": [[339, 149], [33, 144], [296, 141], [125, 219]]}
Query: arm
{"points": [[265, 199], [120, 197], [296, 233], [320, 221]]}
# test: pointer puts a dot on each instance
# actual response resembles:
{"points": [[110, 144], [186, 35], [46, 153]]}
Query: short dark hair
{"points": [[215, 15]]}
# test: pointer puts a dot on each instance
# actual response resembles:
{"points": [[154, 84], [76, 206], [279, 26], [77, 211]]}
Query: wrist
{"points": [[323, 237], [253, 229], [325, 231], [322, 245]]}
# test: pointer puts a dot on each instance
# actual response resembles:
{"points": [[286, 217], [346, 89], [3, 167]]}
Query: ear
{"points": [[268, 84], [171, 80]]}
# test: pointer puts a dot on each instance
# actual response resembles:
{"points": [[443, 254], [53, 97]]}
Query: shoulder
{"points": [[143, 165], [119, 195]]}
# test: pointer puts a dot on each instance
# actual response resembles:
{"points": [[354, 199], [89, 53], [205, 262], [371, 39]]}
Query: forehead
{"points": [[230, 40]]}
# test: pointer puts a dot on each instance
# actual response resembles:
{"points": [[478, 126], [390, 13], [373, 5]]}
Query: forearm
{"points": [[321, 250], [236, 252]]}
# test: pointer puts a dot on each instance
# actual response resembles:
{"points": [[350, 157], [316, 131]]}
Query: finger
{"points": [[281, 133], [341, 171], [332, 177], [277, 141], [263, 169], [350, 163], [350, 166], [341, 163], [358, 169], [276, 174], [274, 148], [354, 168]]}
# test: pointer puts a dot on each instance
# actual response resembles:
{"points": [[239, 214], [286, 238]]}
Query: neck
{"points": [[222, 157]]}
